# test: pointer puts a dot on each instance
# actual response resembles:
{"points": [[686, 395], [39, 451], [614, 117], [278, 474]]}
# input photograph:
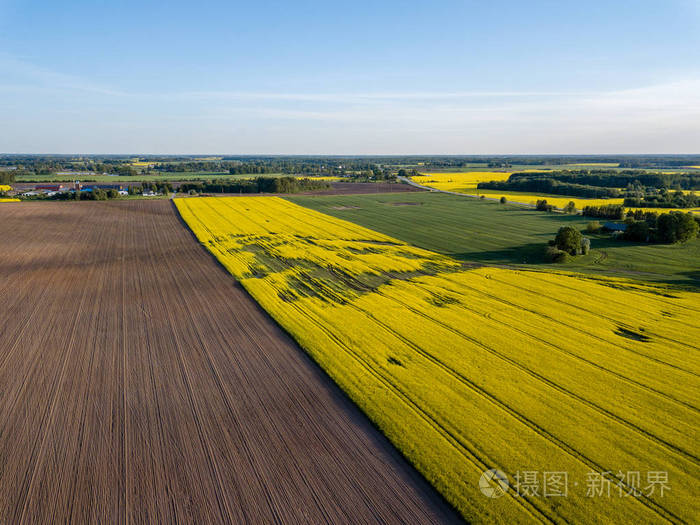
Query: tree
{"points": [[676, 226], [585, 245], [503, 200], [570, 208], [543, 206], [568, 239], [636, 231]]}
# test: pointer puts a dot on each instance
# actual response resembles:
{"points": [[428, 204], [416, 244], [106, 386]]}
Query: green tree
{"points": [[543, 206], [637, 231], [503, 200], [568, 239], [676, 226], [570, 208]]}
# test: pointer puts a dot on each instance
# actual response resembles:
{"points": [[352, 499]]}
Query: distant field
{"points": [[173, 176], [471, 369], [466, 182], [545, 167], [483, 166], [489, 232]]}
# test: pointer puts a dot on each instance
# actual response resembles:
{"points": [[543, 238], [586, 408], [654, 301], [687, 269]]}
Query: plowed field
{"points": [[139, 383]]}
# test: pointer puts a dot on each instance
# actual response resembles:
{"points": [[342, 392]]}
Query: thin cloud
{"points": [[661, 117]]}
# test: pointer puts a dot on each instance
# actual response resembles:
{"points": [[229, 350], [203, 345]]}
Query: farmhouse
{"points": [[614, 226]]}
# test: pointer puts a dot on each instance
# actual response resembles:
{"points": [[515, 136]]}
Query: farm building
{"points": [[117, 187], [614, 226]]}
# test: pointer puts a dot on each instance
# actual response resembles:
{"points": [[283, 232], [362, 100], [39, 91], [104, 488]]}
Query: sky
{"points": [[336, 77]]}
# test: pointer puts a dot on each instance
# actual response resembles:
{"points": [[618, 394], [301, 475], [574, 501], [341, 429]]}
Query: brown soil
{"points": [[139, 383]]}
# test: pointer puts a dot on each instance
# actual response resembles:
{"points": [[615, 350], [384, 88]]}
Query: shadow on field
{"points": [[601, 242], [692, 280], [531, 253]]}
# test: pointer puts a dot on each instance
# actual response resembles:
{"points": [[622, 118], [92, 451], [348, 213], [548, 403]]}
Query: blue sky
{"points": [[350, 77]]}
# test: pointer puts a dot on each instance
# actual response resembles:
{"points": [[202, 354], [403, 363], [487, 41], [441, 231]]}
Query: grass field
{"points": [[471, 369], [173, 176], [491, 233], [141, 384]]}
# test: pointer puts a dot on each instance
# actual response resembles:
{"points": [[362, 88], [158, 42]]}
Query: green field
{"points": [[151, 177], [492, 233]]}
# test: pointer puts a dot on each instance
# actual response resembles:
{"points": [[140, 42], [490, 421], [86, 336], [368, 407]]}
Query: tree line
{"points": [[257, 185], [667, 228], [608, 211], [664, 199], [546, 185], [617, 179]]}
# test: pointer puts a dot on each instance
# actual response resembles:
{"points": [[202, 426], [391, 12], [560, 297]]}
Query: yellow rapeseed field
{"points": [[5, 187], [327, 178], [460, 182], [9, 200], [583, 391]]}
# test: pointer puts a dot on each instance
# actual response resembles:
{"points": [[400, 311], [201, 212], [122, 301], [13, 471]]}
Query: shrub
{"points": [[555, 255], [593, 227], [551, 252], [562, 257]]}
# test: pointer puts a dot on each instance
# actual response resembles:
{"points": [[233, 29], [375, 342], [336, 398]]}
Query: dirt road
{"points": [[139, 383]]}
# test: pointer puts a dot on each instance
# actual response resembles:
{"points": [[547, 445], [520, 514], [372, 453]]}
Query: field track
{"points": [[139, 383]]}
